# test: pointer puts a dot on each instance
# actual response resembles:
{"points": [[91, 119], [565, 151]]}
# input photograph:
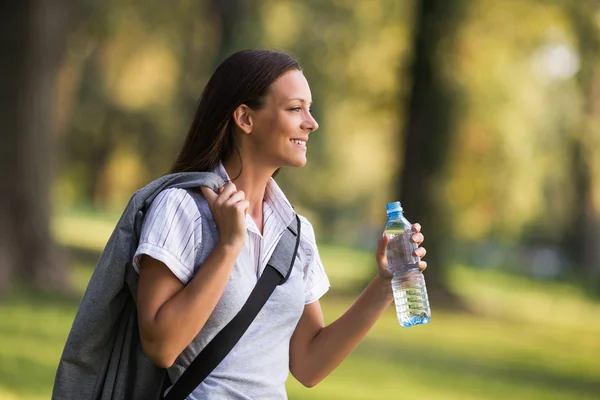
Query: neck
{"points": [[252, 180]]}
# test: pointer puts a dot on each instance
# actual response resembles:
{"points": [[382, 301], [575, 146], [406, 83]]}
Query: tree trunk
{"points": [[583, 234], [33, 42], [426, 140], [227, 13]]}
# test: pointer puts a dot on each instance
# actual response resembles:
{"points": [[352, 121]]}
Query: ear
{"points": [[243, 118]]}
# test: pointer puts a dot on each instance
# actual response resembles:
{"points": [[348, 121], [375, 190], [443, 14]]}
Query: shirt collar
{"points": [[274, 197]]}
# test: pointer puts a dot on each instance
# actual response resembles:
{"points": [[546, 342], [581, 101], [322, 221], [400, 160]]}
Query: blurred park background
{"points": [[481, 116]]}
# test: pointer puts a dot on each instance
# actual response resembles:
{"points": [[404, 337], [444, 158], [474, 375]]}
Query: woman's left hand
{"points": [[381, 257]]}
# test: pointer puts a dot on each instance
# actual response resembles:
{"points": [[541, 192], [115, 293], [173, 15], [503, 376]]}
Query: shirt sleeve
{"points": [[172, 233], [316, 283]]}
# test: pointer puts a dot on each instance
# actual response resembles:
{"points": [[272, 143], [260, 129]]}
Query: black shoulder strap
{"points": [[274, 274]]}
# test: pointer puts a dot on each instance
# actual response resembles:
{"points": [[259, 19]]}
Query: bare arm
{"points": [[316, 350], [170, 314]]}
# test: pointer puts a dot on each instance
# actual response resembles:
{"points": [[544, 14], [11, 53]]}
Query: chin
{"points": [[294, 161], [298, 162]]}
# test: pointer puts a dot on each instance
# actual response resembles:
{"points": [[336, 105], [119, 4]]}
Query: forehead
{"points": [[290, 85]]}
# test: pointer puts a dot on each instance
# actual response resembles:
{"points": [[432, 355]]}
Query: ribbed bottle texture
{"points": [[408, 283]]}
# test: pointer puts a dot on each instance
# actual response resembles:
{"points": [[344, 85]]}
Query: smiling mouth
{"points": [[299, 142]]}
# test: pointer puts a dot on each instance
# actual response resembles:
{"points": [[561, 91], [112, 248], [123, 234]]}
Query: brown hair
{"points": [[243, 78]]}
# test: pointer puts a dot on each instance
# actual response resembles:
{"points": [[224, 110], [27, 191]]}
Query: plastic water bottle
{"points": [[408, 283]]}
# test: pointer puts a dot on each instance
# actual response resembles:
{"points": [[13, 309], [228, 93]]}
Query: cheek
{"points": [[268, 123], [274, 130], [279, 128], [287, 125]]}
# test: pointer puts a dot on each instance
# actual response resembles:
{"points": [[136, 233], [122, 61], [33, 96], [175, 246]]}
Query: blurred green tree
{"points": [[232, 31], [428, 136], [583, 232], [34, 34], [143, 71]]}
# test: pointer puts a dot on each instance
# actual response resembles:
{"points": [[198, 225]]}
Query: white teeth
{"points": [[300, 142]]}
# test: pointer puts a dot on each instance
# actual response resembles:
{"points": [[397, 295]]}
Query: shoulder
{"points": [[173, 207], [172, 232], [173, 195], [308, 240], [175, 201], [307, 232], [316, 282]]}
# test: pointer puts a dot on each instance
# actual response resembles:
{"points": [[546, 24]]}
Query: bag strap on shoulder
{"points": [[276, 273]]}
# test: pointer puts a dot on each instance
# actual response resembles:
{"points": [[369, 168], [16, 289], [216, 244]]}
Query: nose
{"points": [[310, 123]]}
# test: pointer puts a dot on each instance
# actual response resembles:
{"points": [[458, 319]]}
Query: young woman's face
{"points": [[282, 126]]}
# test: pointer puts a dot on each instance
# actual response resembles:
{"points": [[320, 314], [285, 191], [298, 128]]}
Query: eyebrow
{"points": [[299, 99]]}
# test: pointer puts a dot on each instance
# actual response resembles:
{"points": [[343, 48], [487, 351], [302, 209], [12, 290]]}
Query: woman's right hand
{"points": [[229, 208]]}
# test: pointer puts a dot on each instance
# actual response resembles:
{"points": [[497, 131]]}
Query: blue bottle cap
{"points": [[393, 207]]}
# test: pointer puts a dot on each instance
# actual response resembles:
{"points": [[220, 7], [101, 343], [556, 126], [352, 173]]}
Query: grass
{"points": [[529, 340]]}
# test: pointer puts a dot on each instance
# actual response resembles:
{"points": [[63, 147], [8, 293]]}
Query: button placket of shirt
{"points": [[254, 242]]}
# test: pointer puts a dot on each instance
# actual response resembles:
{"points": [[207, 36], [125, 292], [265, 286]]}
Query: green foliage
{"points": [[510, 164], [526, 340], [353, 55], [532, 341], [135, 71], [140, 70]]}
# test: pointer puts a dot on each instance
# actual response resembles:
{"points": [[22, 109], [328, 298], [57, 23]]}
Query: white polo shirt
{"points": [[181, 235]]}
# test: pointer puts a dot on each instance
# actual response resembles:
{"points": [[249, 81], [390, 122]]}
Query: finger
{"points": [[242, 206], [420, 252], [417, 238], [422, 265], [416, 228], [209, 195], [228, 191], [381, 248], [235, 198]]}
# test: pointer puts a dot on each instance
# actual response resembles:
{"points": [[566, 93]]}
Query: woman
{"points": [[253, 118]]}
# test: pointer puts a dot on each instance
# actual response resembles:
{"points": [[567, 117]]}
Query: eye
{"points": [[296, 109]]}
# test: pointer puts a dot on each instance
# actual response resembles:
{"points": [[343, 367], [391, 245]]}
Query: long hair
{"points": [[243, 78]]}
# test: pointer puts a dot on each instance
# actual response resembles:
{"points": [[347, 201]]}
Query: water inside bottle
{"points": [[400, 251], [410, 297], [408, 283]]}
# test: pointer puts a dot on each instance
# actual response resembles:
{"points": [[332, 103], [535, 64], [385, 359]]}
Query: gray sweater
{"points": [[103, 357]]}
